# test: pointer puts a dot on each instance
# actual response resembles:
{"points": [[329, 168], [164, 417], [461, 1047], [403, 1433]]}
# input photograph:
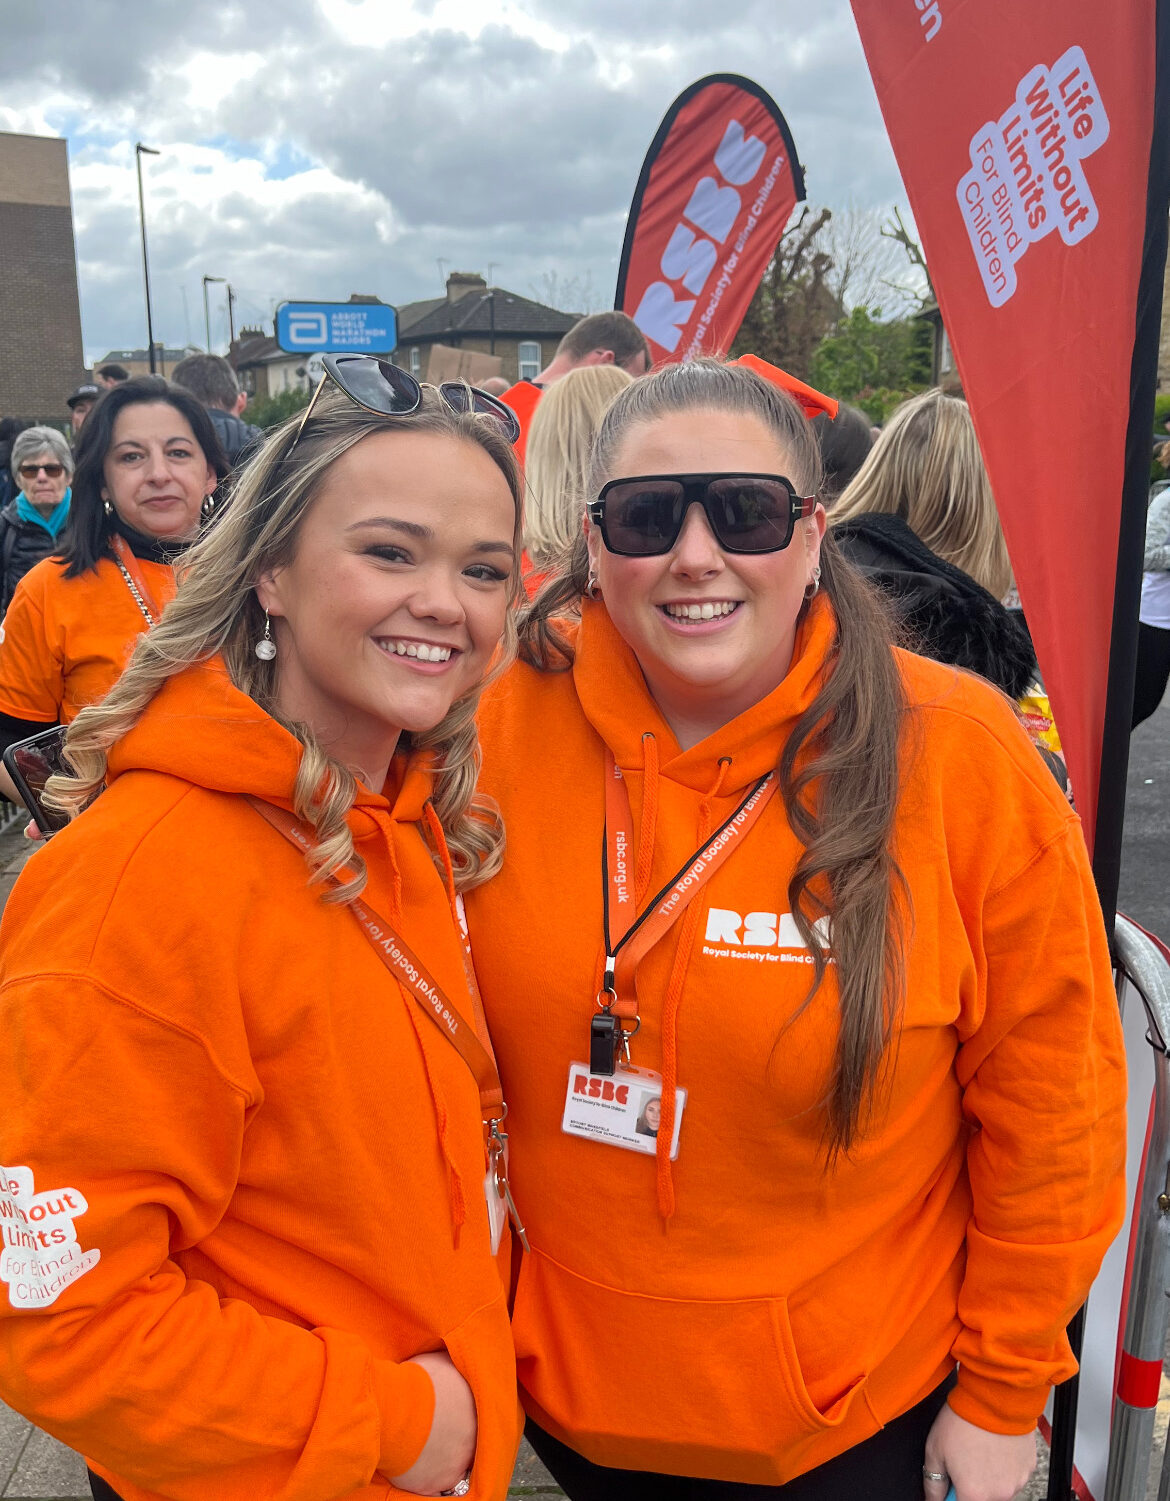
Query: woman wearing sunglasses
{"points": [[254, 1180], [148, 462], [31, 522], [820, 898]]}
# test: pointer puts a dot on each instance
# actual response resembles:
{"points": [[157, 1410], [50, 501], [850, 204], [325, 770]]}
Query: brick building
{"points": [[521, 333], [41, 358]]}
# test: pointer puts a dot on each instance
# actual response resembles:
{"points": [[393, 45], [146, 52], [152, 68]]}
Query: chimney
{"points": [[460, 283]]}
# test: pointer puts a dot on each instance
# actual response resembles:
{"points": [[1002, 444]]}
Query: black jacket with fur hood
{"points": [[944, 612]]}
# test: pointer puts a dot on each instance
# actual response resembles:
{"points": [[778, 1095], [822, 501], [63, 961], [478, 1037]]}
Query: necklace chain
{"points": [[135, 591]]}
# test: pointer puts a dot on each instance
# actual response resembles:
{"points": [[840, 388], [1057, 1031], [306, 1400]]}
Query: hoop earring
{"points": [[107, 507], [207, 509], [265, 648], [592, 587], [811, 589]]}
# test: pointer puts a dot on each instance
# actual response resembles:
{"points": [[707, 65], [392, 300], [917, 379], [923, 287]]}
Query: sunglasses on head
{"points": [[749, 513], [30, 471], [388, 391]]}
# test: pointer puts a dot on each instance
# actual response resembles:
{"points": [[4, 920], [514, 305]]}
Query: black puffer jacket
{"points": [[239, 439], [945, 613], [22, 543]]}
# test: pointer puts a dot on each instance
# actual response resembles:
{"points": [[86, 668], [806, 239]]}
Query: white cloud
{"points": [[329, 146]]}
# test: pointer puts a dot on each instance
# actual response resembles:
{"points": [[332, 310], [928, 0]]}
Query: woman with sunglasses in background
{"points": [[819, 899], [252, 1138], [42, 466], [148, 462]]}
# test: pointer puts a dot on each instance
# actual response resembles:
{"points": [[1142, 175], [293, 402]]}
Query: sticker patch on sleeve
{"points": [[41, 1254]]}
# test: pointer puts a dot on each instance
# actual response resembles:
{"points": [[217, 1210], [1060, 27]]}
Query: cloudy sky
{"points": [[314, 148]]}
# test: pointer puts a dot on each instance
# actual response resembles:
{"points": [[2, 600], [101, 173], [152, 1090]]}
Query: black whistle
{"points": [[605, 1043]]}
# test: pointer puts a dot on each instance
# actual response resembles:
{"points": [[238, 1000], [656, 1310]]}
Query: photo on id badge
{"points": [[622, 1110]]}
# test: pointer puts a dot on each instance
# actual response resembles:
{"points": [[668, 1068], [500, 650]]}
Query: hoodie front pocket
{"points": [[481, 1351], [710, 1387]]}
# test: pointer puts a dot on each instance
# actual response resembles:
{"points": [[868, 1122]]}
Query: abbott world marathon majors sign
{"points": [[336, 327]]}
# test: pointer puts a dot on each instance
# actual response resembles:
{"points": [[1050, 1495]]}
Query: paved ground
{"points": [[34, 1467]]}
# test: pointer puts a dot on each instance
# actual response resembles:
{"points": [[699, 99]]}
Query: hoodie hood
{"points": [[202, 729], [617, 703]]}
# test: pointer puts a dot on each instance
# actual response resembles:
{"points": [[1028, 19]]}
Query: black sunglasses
{"points": [[389, 391], [30, 471], [642, 517]]}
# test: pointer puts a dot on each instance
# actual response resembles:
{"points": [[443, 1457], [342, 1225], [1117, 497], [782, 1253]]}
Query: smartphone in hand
{"points": [[30, 763]]}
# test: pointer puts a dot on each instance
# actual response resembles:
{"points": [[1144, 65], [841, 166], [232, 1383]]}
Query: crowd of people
{"points": [[561, 926]]}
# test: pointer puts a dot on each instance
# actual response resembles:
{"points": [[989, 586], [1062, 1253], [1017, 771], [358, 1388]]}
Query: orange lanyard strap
{"points": [[628, 937], [409, 970], [135, 582]]}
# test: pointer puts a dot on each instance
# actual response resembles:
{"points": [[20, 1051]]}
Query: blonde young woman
{"points": [[556, 462], [829, 898], [249, 1103], [919, 520]]}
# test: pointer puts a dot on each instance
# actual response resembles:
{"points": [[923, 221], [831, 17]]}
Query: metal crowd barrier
{"points": [[12, 815], [1146, 1303]]}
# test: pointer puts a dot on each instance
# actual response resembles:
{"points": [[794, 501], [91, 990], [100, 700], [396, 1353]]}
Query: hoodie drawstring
{"points": [[670, 1009], [439, 844], [455, 1192], [455, 1195], [649, 817]]}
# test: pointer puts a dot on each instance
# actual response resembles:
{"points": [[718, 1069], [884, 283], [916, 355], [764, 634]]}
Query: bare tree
{"points": [[918, 285], [869, 264], [571, 294], [796, 303]]}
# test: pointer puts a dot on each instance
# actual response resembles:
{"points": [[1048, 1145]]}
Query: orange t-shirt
{"points": [[65, 642]]}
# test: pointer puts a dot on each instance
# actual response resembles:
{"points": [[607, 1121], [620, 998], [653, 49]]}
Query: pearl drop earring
{"points": [[265, 648]]}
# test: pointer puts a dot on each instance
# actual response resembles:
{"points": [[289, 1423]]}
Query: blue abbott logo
{"points": [[336, 327]]}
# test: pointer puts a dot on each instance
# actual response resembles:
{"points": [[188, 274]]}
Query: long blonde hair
{"points": [[556, 459], [216, 611], [926, 467], [838, 772]]}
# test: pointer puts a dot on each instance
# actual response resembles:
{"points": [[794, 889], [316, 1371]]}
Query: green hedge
{"points": [[271, 411]]}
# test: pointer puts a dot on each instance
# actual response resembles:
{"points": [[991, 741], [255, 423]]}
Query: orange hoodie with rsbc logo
{"points": [[66, 642], [750, 1310], [243, 1173]]}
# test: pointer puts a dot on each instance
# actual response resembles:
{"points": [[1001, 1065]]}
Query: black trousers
{"points": [[1153, 670], [886, 1467], [101, 1491]]}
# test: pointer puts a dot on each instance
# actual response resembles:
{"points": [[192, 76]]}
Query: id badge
{"points": [[622, 1110], [497, 1208]]}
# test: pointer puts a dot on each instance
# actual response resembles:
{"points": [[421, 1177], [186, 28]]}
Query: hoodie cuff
{"points": [[405, 1395], [996, 1407]]}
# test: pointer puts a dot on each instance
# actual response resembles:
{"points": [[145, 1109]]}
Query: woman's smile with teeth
{"points": [[418, 649], [709, 610]]}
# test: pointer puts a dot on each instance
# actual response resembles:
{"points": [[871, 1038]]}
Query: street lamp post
{"points": [[207, 310], [139, 151]]}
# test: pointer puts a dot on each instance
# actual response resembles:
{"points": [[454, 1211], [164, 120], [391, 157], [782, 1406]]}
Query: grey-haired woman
{"points": [[42, 467]]}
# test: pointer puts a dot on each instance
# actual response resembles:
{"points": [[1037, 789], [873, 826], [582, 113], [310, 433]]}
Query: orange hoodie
{"points": [[65, 642], [265, 1165], [747, 1312]]}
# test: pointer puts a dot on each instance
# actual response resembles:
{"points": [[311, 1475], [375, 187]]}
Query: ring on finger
{"points": [[939, 1475]]}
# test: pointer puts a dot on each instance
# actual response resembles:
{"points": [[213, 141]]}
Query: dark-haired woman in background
{"points": [[148, 462]]}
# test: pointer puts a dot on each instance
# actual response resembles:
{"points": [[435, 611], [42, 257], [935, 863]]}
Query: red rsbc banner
{"points": [[1025, 136], [716, 191]]}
